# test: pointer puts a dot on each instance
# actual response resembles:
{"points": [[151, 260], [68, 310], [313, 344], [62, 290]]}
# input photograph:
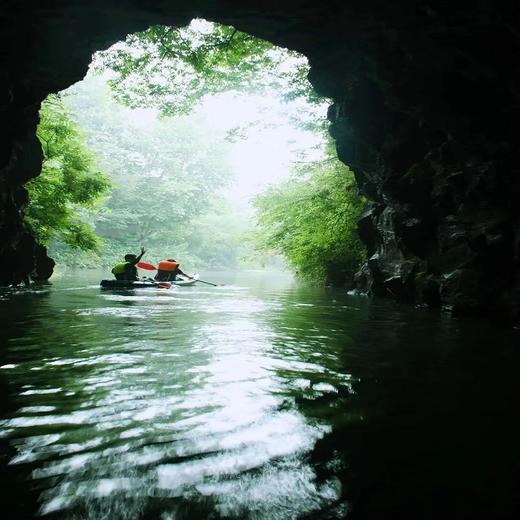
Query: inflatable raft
{"points": [[127, 284], [146, 284]]}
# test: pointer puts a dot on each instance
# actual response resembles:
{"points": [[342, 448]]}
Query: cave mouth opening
{"points": [[166, 142]]}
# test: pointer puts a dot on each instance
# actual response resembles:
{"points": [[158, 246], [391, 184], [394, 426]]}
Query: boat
{"points": [[148, 283], [129, 284]]}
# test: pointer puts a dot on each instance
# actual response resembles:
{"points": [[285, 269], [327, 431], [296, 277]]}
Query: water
{"points": [[255, 400]]}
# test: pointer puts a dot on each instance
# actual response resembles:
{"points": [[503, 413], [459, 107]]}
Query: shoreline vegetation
{"points": [[131, 160]]}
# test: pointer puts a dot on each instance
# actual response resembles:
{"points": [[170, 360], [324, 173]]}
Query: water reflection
{"points": [[245, 402], [139, 402]]}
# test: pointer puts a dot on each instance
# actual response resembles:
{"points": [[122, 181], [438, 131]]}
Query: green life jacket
{"points": [[120, 268]]}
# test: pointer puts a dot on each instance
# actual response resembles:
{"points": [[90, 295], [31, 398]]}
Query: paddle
{"points": [[150, 267], [202, 281], [144, 265]]}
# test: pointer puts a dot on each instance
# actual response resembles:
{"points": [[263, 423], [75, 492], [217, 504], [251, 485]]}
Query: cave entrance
{"points": [[171, 142]]}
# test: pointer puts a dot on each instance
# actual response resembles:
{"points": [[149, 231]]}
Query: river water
{"points": [[257, 399]]}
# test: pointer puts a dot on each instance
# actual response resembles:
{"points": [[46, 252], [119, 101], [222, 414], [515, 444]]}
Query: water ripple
{"points": [[186, 396]]}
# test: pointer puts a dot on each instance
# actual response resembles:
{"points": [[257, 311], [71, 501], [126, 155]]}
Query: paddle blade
{"points": [[164, 285], [144, 265]]}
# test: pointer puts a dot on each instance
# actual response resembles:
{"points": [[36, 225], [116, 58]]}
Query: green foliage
{"points": [[172, 69], [67, 189], [215, 238], [311, 220], [166, 173]]}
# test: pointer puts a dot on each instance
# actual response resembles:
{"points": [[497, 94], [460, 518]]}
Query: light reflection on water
{"points": [[255, 400], [175, 396]]}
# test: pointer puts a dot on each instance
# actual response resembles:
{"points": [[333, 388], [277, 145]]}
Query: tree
{"points": [[166, 172], [311, 220], [173, 68], [67, 191]]}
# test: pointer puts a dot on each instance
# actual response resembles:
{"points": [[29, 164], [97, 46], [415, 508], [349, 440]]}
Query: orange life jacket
{"points": [[164, 265]]}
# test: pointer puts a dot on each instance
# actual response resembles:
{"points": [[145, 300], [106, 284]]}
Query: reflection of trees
{"points": [[430, 431], [431, 427], [421, 405], [19, 314], [102, 361], [57, 342], [313, 328]]}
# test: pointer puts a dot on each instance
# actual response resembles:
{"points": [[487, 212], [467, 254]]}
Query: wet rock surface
{"points": [[425, 111]]}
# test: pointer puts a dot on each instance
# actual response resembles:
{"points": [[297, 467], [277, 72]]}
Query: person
{"points": [[168, 270], [127, 270]]}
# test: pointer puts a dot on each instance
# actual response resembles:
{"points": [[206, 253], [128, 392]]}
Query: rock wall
{"points": [[430, 126], [425, 112]]}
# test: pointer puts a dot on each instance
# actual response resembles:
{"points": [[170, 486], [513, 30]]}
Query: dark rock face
{"points": [[425, 110]]}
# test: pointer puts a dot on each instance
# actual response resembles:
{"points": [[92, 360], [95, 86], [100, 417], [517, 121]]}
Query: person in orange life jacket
{"points": [[168, 271], [127, 270]]}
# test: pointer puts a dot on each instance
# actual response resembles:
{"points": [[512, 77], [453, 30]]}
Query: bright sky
{"points": [[266, 154]]}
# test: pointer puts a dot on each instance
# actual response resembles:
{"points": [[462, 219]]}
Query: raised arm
{"points": [[138, 258]]}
